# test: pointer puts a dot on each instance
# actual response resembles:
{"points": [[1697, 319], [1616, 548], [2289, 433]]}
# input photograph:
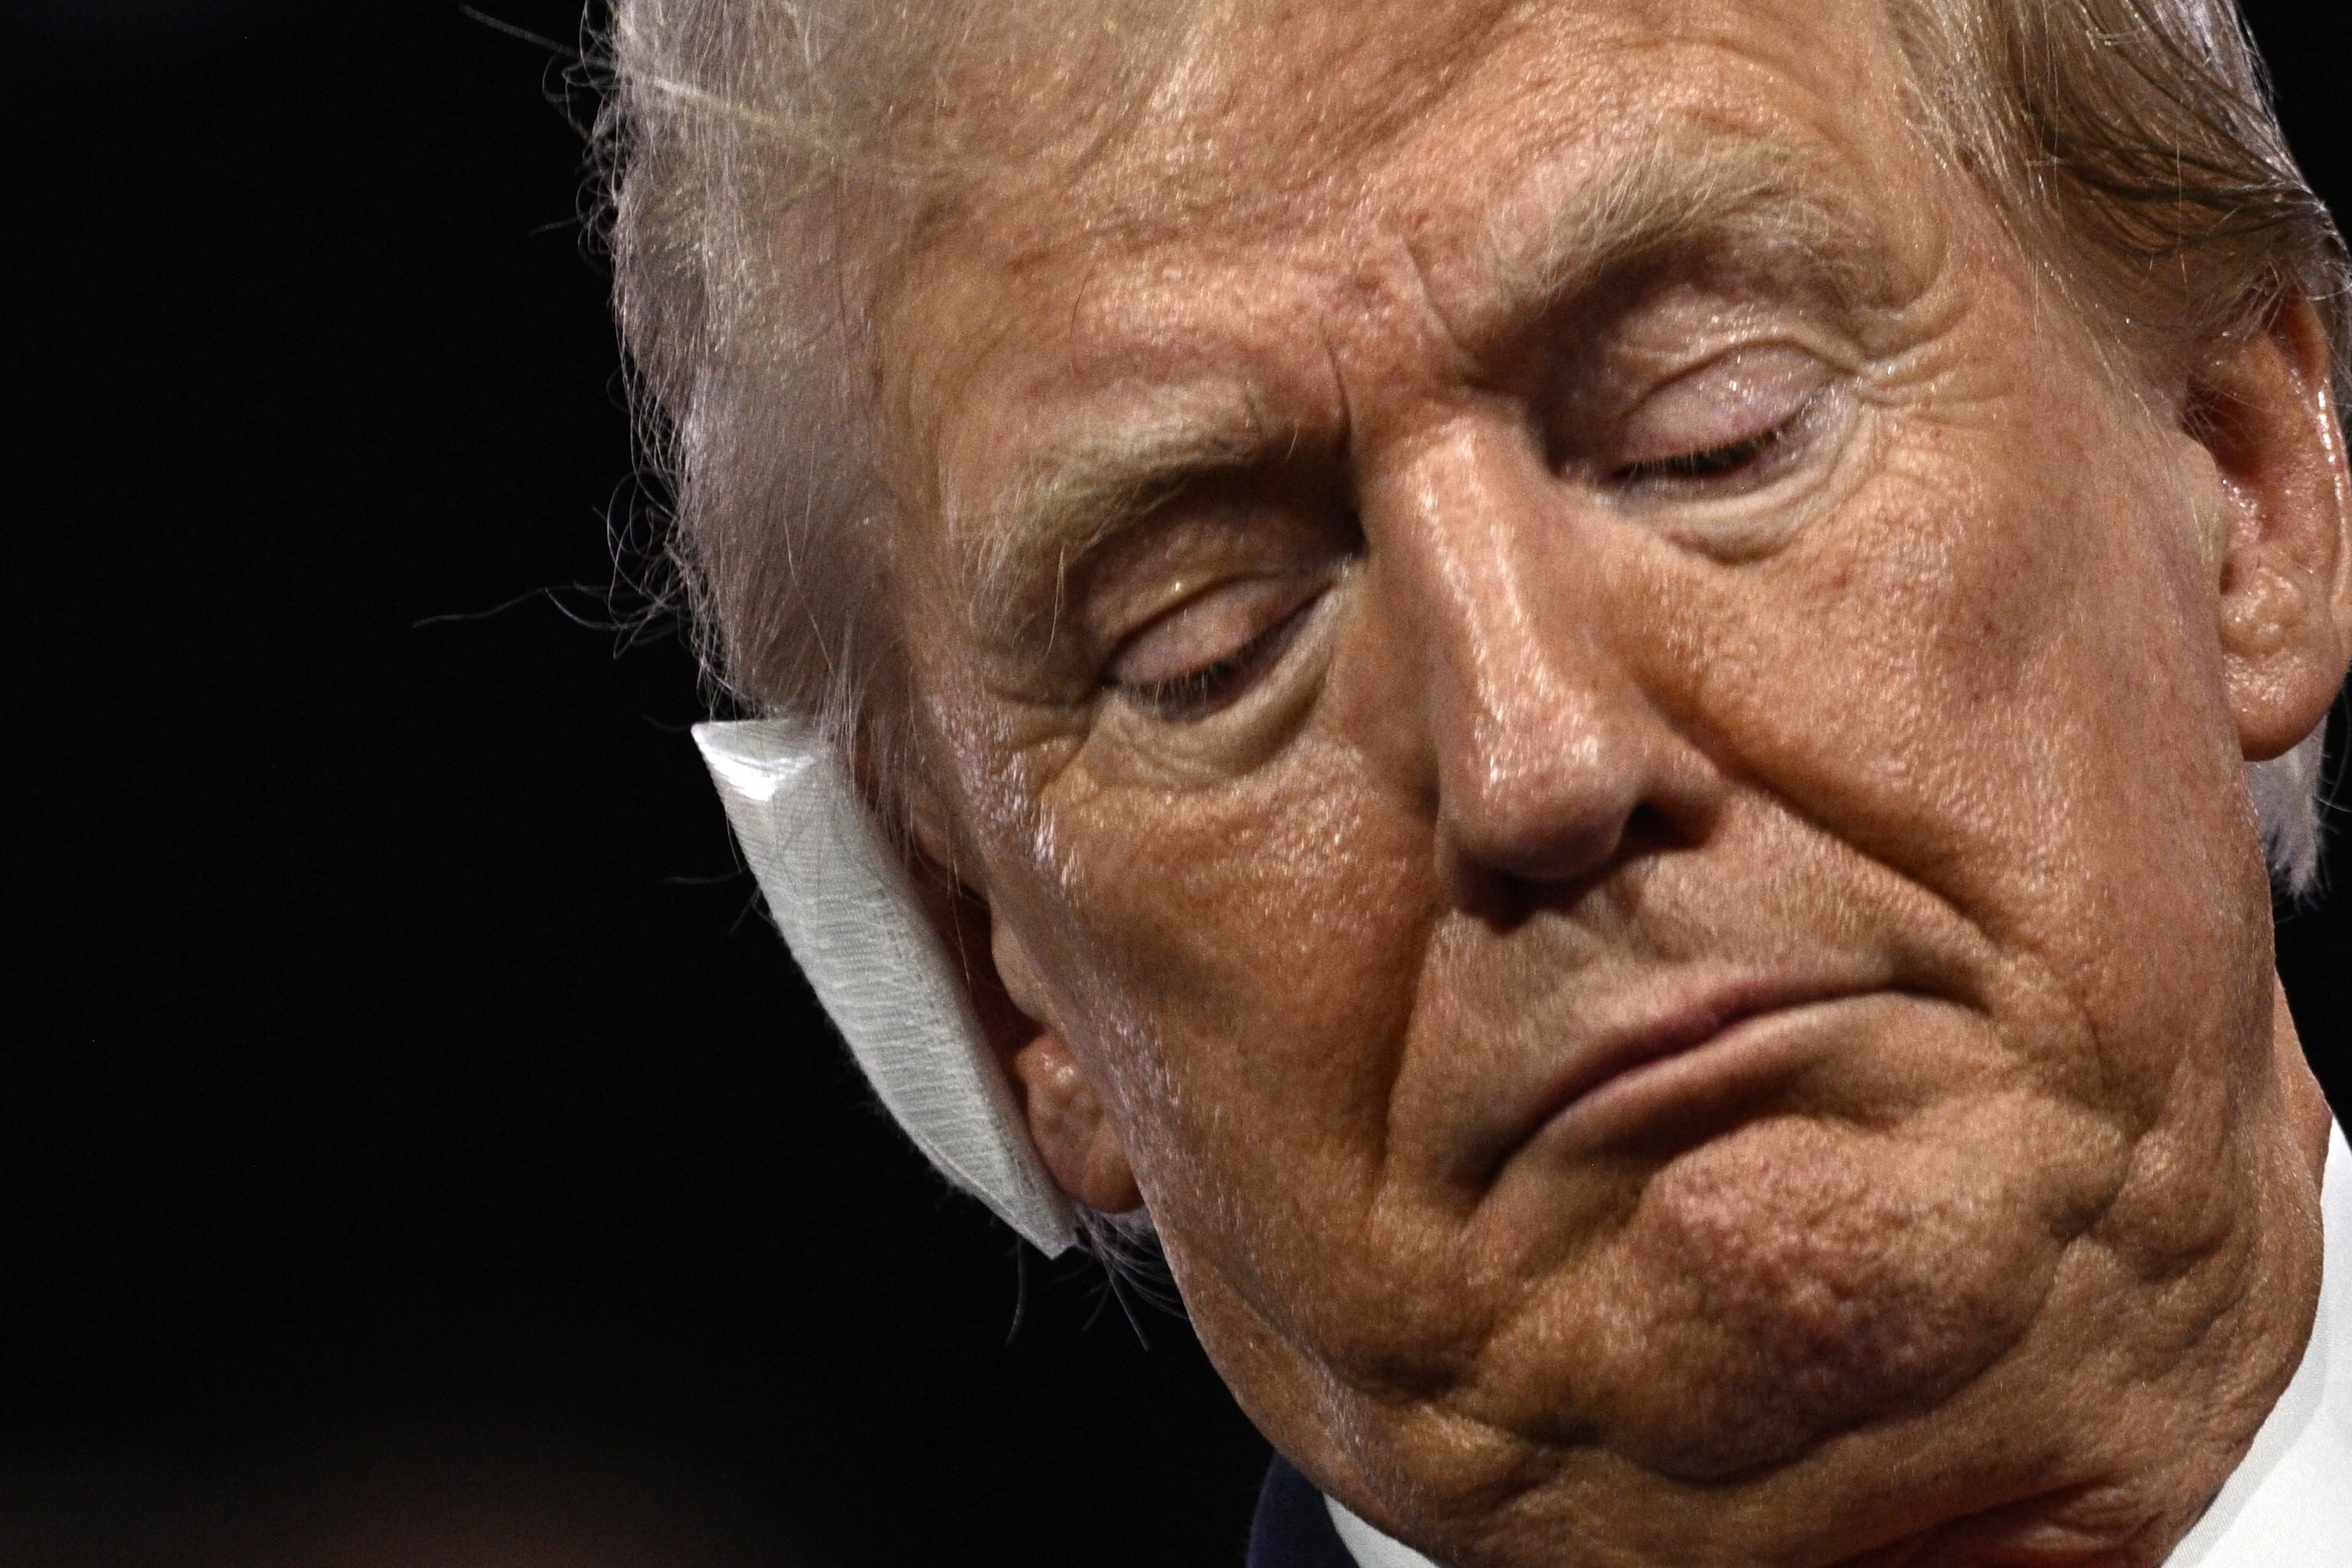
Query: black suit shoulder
{"points": [[1293, 1528]]}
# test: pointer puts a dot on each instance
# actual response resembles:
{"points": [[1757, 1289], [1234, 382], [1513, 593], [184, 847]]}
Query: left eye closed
{"points": [[1726, 422], [1202, 655]]}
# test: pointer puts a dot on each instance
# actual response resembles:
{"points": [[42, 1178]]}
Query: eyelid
{"points": [[1208, 628], [1732, 399]]}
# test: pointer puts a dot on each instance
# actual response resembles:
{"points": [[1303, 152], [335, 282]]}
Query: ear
{"points": [[2264, 409], [1067, 1121], [1064, 1115]]}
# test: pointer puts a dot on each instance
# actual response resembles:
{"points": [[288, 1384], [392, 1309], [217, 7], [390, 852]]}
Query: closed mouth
{"points": [[1706, 1048]]}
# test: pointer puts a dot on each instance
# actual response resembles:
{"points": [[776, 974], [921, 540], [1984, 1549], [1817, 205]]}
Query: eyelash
{"points": [[1713, 463], [1210, 686]]}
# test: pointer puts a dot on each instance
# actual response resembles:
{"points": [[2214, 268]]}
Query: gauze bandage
{"points": [[840, 896]]}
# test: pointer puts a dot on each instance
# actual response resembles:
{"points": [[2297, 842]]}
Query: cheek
{"points": [[1980, 676], [1241, 961]]}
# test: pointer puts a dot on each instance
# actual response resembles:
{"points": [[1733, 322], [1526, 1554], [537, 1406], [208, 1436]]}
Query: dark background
{"points": [[410, 1131]]}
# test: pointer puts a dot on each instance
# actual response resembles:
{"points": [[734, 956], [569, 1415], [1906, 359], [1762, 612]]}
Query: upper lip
{"points": [[1684, 1018]]}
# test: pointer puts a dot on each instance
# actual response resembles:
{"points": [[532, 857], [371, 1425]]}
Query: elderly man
{"points": [[1593, 689]]}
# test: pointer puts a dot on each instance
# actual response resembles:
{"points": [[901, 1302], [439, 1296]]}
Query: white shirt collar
{"points": [[2289, 1502]]}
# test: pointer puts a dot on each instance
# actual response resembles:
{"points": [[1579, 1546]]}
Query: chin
{"points": [[1791, 1282]]}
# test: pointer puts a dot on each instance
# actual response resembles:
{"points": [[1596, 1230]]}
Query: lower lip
{"points": [[1693, 1091]]}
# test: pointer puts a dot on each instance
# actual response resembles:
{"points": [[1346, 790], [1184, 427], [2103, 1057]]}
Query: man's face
{"points": [[1601, 731]]}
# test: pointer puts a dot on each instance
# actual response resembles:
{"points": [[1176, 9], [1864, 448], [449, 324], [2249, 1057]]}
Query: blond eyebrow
{"points": [[1667, 194], [1084, 493]]}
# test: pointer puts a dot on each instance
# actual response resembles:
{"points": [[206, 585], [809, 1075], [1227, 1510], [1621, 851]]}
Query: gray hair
{"points": [[771, 160]]}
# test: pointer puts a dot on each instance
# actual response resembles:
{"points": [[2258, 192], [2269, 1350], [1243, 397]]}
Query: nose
{"points": [[1554, 758]]}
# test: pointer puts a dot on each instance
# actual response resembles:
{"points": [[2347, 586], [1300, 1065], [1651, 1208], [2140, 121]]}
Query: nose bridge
{"points": [[1545, 745], [1513, 645]]}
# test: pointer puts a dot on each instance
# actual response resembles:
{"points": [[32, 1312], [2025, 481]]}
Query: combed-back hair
{"points": [[770, 160]]}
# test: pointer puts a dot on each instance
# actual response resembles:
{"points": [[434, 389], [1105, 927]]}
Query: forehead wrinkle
{"points": [[1332, 88]]}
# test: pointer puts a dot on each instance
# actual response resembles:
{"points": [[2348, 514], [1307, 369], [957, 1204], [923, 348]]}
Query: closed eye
{"points": [[1732, 420], [1204, 655], [1204, 691], [1714, 462]]}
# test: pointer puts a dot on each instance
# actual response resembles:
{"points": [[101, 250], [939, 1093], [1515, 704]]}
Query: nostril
{"points": [[1649, 830], [1503, 900], [1506, 880], [1506, 871]]}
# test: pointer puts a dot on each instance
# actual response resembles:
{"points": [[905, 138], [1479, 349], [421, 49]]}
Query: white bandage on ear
{"points": [[840, 896]]}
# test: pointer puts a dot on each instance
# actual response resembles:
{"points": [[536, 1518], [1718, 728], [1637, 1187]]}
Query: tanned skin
{"points": [[1628, 819]]}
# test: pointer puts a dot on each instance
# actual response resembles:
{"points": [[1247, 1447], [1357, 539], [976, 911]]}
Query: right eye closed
{"points": [[1721, 426], [1203, 654]]}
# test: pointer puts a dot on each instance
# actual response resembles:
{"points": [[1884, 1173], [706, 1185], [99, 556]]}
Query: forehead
{"points": [[1333, 149], [1275, 115]]}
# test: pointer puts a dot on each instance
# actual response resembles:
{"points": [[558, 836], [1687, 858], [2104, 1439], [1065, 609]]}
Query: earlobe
{"points": [[1067, 1121], [1056, 1102], [2265, 412]]}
